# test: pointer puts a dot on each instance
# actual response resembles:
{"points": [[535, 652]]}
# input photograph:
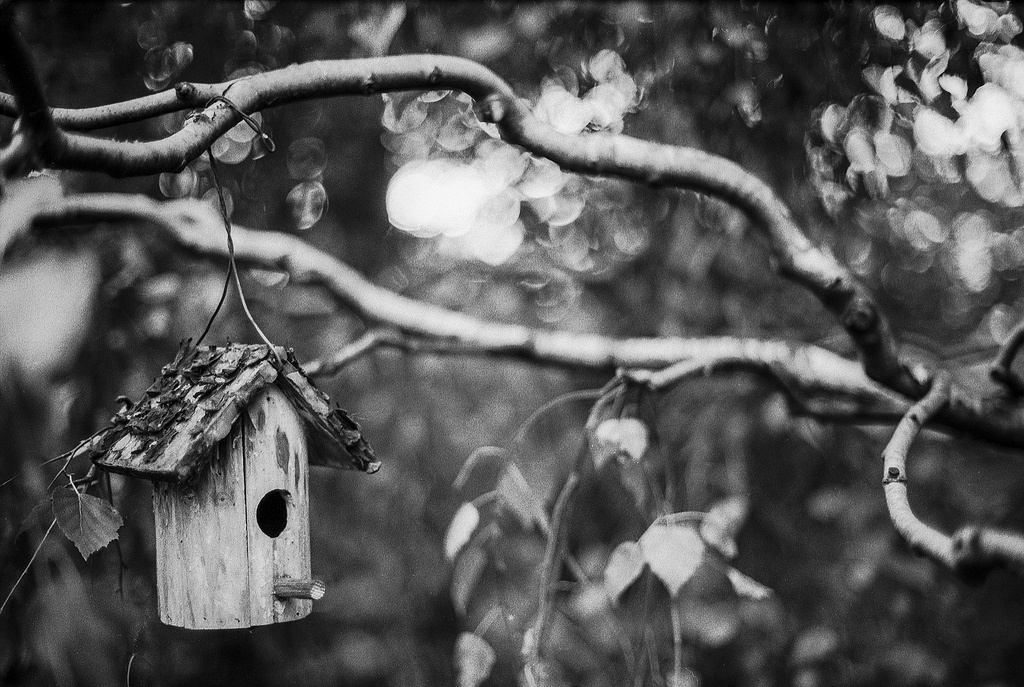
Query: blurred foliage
{"points": [[893, 133]]}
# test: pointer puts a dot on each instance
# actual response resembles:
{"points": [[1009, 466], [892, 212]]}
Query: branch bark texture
{"points": [[972, 551], [821, 381], [603, 154]]}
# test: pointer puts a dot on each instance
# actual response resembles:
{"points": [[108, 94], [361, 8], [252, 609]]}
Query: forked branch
{"points": [[603, 154], [972, 551]]}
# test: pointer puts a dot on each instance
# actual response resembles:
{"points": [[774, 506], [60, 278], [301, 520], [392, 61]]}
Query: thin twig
{"points": [[344, 356], [677, 641], [1001, 368], [535, 416], [28, 565], [548, 569]]}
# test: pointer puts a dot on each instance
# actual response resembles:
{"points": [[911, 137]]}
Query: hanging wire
{"points": [[213, 316], [253, 124], [232, 265]]}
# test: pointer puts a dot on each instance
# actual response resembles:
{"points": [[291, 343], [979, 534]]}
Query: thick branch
{"points": [[972, 551], [824, 379], [921, 538], [604, 154]]}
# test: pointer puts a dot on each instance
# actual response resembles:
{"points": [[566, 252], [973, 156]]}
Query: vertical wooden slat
{"points": [[201, 553], [275, 459]]}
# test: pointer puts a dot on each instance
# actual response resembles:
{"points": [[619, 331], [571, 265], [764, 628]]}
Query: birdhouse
{"points": [[227, 435]]}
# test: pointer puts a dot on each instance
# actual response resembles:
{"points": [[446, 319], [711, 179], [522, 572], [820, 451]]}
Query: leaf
{"points": [[674, 551], [889, 22], [474, 659], [624, 567], [833, 122], [90, 523], [460, 529], [623, 438], [475, 459], [956, 86], [709, 622], [721, 524], [517, 495], [747, 586], [813, 645], [468, 570]]}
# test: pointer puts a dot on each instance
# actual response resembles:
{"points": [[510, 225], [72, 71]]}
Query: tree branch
{"points": [[604, 154], [972, 551], [29, 101], [921, 538], [825, 382], [1001, 366]]}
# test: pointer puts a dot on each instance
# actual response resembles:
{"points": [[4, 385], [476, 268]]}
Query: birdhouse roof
{"points": [[195, 402]]}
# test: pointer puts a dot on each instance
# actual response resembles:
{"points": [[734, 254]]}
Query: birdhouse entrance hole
{"points": [[272, 512]]}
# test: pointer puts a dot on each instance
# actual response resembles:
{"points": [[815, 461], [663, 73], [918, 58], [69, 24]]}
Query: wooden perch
{"points": [[285, 588]]}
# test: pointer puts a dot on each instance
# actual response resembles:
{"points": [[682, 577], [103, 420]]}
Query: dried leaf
{"points": [[460, 530], [90, 523], [474, 659], [674, 551], [624, 567]]}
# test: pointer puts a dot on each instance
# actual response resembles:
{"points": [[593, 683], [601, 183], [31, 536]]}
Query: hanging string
{"points": [[232, 274], [253, 124], [213, 316]]}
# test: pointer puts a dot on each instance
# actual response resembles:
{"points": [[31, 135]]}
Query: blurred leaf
{"points": [[622, 438], [90, 523], [477, 457], [747, 586], [721, 524], [519, 497], [474, 659], [634, 480], [833, 123], [710, 622], [674, 551], [813, 645], [468, 569], [460, 529], [889, 22], [624, 567]]}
